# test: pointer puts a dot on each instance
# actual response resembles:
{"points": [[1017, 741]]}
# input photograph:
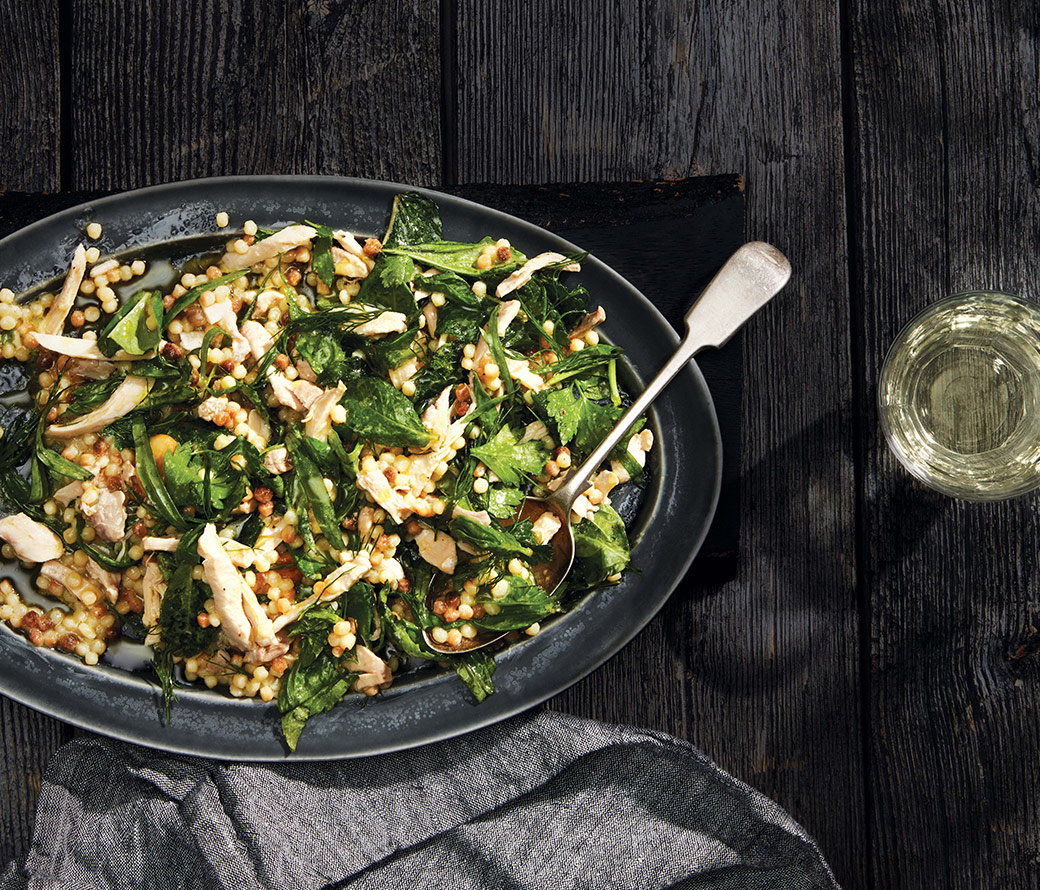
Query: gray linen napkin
{"points": [[542, 801]]}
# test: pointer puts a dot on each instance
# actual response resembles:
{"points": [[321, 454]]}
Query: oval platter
{"points": [[673, 518]]}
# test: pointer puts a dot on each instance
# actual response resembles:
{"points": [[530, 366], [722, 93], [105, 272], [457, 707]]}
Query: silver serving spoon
{"points": [[750, 278]]}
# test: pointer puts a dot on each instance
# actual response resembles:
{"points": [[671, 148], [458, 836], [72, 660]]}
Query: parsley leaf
{"points": [[507, 459]]}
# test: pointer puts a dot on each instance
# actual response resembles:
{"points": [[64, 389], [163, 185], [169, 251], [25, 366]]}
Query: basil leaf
{"points": [[488, 538], [522, 605]]}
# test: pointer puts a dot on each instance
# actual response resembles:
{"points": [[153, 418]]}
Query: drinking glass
{"points": [[959, 396]]}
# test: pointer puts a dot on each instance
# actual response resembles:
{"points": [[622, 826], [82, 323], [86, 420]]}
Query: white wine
{"points": [[959, 396]]}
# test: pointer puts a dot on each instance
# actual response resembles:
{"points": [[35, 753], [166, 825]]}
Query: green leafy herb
{"points": [[59, 466], [321, 256], [601, 545], [455, 256], [379, 413], [324, 354], [190, 296], [414, 219], [520, 606], [88, 396], [488, 538], [388, 285], [475, 669], [503, 501], [161, 502], [312, 484], [579, 418], [136, 327], [182, 602], [507, 458]]}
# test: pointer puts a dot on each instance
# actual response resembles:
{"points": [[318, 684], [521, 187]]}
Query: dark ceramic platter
{"points": [[674, 516]]}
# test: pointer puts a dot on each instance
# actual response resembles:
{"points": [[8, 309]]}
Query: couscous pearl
{"points": [[222, 220], [94, 230]]}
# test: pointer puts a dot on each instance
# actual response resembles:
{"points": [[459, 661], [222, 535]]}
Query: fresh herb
{"points": [[414, 219], [321, 254], [388, 284], [476, 669], [190, 296], [88, 396], [520, 605], [182, 602], [136, 327], [379, 413], [455, 256], [507, 458], [601, 546], [60, 467], [489, 538], [161, 502]]}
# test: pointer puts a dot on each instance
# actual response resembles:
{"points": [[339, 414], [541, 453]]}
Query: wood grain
{"points": [[30, 96], [174, 90], [946, 105], [30, 121], [762, 672]]}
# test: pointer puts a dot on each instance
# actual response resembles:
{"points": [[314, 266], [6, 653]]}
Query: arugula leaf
{"points": [[601, 545], [379, 413], [136, 327], [183, 600], [317, 680], [456, 256], [388, 285], [162, 505], [414, 219], [521, 606], [506, 458], [475, 669]]}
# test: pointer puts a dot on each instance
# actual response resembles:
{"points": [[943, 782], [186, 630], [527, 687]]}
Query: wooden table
{"points": [[874, 665]]}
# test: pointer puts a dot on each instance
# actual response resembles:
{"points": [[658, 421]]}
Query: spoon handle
{"points": [[749, 279]]}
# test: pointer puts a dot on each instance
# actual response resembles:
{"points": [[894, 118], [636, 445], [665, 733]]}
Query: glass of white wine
{"points": [[959, 396]]}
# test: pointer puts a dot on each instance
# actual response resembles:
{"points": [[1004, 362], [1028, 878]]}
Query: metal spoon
{"points": [[749, 279]]}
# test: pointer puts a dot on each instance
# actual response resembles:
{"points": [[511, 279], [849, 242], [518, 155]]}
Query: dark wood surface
{"points": [[873, 665]]}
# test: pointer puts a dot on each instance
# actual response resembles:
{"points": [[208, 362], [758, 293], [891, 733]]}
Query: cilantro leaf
{"points": [[321, 254]]}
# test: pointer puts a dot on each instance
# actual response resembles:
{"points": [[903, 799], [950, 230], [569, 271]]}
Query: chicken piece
{"points": [[89, 369], [260, 342], [259, 429], [105, 510], [520, 371], [399, 376], [522, 275], [372, 669], [223, 316], [54, 321], [265, 300], [336, 584], [31, 541], [304, 371], [298, 395], [75, 347], [318, 421], [153, 587], [348, 242], [68, 493], [109, 581], [437, 417], [399, 505], [288, 238], [481, 516], [214, 409], [192, 340], [167, 545], [546, 526], [507, 311], [242, 620], [438, 549], [277, 461], [347, 264], [86, 591], [590, 321], [127, 396], [638, 446], [384, 323], [534, 430], [430, 313]]}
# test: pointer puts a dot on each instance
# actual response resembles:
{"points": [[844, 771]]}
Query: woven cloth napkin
{"points": [[541, 801]]}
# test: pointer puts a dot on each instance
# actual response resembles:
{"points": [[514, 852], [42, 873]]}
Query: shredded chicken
{"points": [[109, 581], [222, 315], [372, 669], [588, 323], [105, 510], [271, 246], [75, 347], [298, 395], [31, 541], [68, 493], [318, 421], [522, 275], [438, 549], [347, 264], [260, 342], [127, 396], [546, 526], [167, 545], [90, 369], [54, 321], [153, 587], [277, 461], [83, 589], [384, 323]]}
